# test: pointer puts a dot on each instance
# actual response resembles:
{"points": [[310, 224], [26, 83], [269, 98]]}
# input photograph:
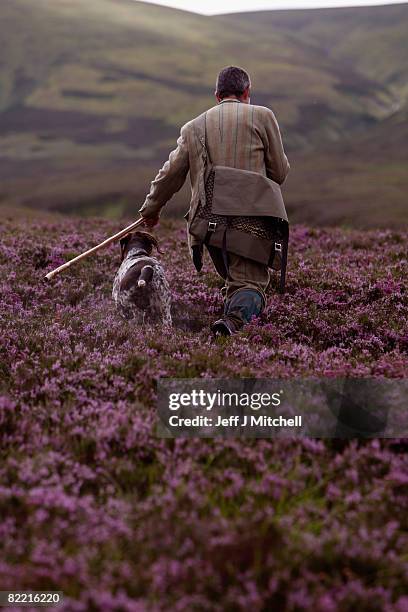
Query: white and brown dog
{"points": [[140, 288]]}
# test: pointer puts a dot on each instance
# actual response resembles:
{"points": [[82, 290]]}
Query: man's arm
{"points": [[276, 162], [169, 179]]}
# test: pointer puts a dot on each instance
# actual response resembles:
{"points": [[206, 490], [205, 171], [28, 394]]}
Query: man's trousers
{"points": [[243, 273]]}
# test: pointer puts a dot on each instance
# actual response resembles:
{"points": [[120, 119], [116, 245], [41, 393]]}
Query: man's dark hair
{"points": [[232, 81]]}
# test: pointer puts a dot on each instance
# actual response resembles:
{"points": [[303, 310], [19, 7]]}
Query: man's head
{"points": [[233, 82]]}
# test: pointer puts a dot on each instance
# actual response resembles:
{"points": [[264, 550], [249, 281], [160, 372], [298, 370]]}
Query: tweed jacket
{"points": [[238, 135]]}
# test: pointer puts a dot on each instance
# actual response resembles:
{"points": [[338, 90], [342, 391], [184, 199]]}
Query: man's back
{"points": [[238, 135], [247, 137]]}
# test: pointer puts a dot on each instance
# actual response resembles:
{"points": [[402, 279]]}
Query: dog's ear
{"points": [[154, 242], [123, 244], [149, 240]]}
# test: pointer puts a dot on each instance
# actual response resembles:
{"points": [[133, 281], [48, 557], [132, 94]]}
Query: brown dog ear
{"points": [[150, 239], [155, 243], [123, 244]]}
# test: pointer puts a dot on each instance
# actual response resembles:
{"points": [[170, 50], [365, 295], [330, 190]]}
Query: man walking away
{"points": [[233, 134]]}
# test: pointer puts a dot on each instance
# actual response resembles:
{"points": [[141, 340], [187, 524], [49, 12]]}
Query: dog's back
{"points": [[140, 288]]}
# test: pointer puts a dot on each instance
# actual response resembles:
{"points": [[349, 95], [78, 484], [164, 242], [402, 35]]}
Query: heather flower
{"points": [[95, 505]]}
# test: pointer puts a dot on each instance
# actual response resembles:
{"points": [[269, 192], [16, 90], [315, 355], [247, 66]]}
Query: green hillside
{"points": [[93, 93], [370, 41]]}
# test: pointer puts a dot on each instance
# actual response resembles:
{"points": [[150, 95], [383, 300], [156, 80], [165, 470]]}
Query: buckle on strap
{"points": [[278, 247], [212, 226]]}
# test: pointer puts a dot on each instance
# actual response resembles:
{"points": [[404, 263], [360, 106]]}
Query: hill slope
{"points": [[93, 94], [369, 41]]}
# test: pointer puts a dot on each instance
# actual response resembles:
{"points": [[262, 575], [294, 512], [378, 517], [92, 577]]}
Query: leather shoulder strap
{"points": [[205, 139], [200, 126]]}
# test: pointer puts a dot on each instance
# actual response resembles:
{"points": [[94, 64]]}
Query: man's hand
{"points": [[151, 221]]}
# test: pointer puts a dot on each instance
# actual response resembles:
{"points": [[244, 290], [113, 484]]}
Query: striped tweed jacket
{"points": [[239, 135]]}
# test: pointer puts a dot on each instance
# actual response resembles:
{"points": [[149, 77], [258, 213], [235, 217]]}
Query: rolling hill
{"points": [[93, 93]]}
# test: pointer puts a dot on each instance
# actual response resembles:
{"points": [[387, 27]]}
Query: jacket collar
{"points": [[230, 100]]}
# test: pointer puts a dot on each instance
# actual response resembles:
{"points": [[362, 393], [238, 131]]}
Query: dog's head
{"points": [[138, 240]]}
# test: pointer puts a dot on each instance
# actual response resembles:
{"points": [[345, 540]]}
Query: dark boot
{"points": [[240, 308]]}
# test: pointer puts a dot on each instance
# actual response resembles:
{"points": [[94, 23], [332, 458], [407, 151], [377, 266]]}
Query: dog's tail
{"points": [[146, 275]]}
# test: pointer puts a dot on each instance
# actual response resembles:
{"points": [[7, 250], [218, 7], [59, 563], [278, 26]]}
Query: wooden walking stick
{"points": [[120, 234]]}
